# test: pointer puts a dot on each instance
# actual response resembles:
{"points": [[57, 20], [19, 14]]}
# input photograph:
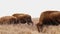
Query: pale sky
{"points": [[31, 7]]}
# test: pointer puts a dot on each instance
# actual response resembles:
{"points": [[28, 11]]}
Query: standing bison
{"points": [[8, 20], [48, 18], [23, 18]]}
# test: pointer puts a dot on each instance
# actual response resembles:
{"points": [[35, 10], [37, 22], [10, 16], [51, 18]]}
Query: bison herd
{"points": [[16, 18], [47, 18]]}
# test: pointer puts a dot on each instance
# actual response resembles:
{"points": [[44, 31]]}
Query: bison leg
{"points": [[23, 21], [39, 27], [13, 21]]}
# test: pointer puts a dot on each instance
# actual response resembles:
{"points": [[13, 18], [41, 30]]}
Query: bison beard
{"points": [[48, 18]]}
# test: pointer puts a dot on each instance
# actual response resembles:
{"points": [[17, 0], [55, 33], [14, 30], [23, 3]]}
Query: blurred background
{"points": [[31, 7]]}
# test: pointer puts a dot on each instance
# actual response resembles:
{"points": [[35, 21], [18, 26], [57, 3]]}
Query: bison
{"points": [[23, 18], [8, 20], [48, 18]]}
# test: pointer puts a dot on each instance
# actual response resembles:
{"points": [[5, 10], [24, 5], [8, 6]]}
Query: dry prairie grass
{"points": [[27, 29]]}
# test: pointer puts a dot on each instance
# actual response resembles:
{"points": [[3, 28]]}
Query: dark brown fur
{"points": [[48, 18], [23, 18], [8, 20]]}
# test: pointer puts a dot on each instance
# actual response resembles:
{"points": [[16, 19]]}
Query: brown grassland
{"points": [[28, 29]]}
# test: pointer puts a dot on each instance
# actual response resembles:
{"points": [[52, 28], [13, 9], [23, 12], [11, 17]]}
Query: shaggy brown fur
{"points": [[48, 18], [23, 18], [8, 20]]}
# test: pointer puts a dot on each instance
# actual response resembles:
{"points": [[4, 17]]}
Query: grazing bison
{"points": [[8, 20], [48, 18], [23, 18]]}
